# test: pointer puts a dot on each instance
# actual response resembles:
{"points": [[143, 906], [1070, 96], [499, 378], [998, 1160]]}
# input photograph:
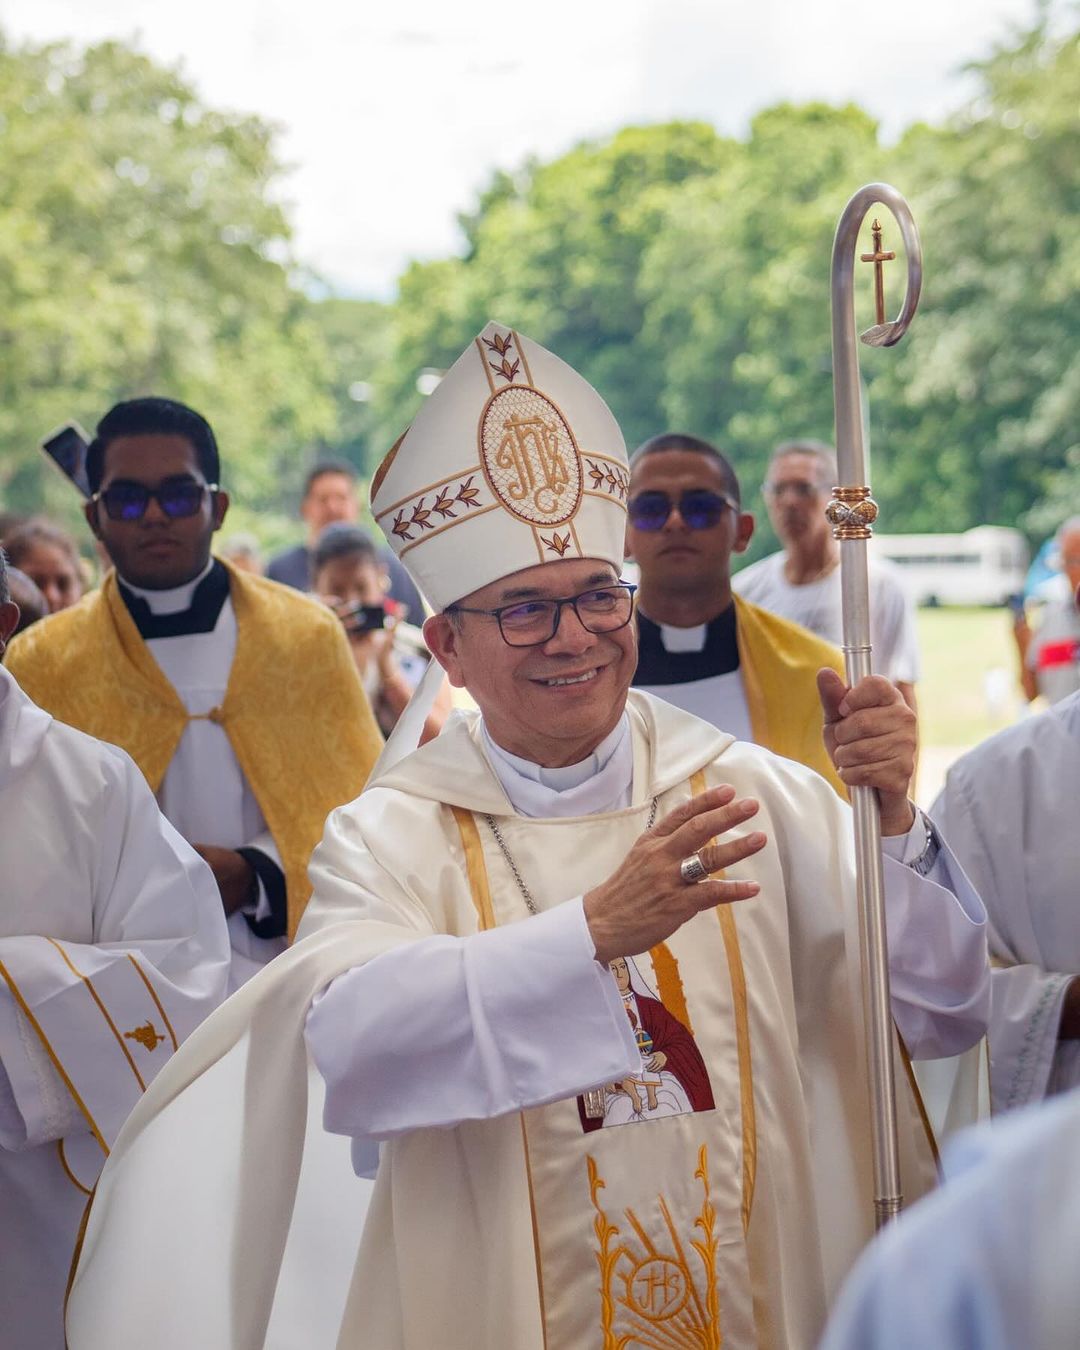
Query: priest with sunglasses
{"points": [[236, 697], [745, 670], [564, 1157]]}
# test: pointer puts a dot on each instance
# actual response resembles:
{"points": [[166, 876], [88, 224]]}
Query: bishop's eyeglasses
{"points": [[529, 623]]}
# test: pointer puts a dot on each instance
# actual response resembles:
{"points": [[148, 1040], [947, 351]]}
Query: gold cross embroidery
{"points": [[146, 1035]]}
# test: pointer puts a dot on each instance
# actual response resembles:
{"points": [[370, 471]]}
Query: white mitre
{"points": [[514, 460]]}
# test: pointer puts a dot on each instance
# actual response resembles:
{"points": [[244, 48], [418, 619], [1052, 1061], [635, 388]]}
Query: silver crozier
{"points": [[851, 513]]}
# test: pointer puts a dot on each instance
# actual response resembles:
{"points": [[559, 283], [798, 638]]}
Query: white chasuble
{"points": [[639, 1209], [504, 1215], [113, 947]]}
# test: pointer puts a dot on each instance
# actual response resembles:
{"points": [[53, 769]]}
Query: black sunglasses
{"points": [[178, 498], [699, 508]]}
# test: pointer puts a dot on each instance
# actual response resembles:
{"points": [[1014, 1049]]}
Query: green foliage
{"points": [[142, 251], [686, 274]]}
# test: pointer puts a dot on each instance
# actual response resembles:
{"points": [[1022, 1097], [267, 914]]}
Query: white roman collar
{"points": [[173, 601], [600, 782]]}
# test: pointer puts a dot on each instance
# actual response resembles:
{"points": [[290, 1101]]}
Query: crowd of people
{"points": [[614, 888]]}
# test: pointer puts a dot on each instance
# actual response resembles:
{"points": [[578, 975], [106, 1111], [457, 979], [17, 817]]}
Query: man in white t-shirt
{"points": [[802, 583]]}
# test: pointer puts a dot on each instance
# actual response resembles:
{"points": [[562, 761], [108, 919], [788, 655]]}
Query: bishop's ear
{"points": [[442, 634]]}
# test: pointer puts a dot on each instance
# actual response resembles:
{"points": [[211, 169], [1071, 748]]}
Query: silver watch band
{"points": [[926, 859]]}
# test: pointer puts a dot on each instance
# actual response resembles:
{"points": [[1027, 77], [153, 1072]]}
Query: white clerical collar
{"points": [[600, 782], [683, 639], [173, 601]]}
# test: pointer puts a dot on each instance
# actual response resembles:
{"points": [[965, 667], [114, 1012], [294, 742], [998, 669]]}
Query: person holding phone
{"points": [[235, 696], [390, 654]]}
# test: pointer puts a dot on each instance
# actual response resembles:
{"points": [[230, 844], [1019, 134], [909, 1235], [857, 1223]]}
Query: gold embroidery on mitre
{"points": [[507, 365], [447, 504], [607, 476], [660, 1306], [558, 543], [529, 456], [146, 1035]]}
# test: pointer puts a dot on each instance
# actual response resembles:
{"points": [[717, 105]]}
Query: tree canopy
{"points": [[684, 272]]}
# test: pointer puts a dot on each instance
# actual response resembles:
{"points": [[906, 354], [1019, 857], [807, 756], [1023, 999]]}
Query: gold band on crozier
{"points": [[851, 512]]}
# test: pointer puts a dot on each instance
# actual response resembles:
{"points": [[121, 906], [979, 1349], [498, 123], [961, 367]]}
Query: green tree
{"points": [[142, 249]]}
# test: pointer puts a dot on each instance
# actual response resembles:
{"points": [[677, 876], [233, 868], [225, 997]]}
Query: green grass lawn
{"points": [[968, 688]]}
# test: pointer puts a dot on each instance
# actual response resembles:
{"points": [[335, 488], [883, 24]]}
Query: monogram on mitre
{"points": [[515, 444]]}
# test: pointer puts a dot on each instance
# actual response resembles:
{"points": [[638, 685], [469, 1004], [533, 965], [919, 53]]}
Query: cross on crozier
{"points": [[878, 258]]}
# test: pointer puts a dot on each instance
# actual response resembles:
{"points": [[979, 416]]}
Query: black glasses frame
{"points": [[700, 493], [158, 495], [556, 617]]}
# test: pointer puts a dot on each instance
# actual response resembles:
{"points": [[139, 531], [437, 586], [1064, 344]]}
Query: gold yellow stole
{"points": [[294, 710], [778, 661]]}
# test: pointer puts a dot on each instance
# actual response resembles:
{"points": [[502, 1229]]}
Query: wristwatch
{"points": [[926, 859]]}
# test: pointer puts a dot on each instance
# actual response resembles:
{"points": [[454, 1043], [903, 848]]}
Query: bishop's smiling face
{"points": [[552, 704]]}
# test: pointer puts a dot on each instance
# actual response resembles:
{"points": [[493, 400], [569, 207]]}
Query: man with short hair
{"points": [[330, 498], [743, 669], [604, 1103], [802, 582], [237, 699], [112, 949]]}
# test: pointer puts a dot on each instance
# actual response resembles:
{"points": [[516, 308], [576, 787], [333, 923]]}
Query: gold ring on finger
{"points": [[692, 869]]}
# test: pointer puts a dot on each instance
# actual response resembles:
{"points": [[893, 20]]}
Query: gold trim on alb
{"points": [[851, 512]]}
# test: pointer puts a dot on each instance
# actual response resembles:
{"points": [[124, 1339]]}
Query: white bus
{"points": [[983, 566]]}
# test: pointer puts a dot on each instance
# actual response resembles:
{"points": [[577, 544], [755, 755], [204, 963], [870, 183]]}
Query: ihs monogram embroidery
{"points": [[529, 456], [650, 1297], [146, 1036]]}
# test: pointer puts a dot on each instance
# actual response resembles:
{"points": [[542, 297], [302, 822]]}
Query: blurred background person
{"points": [[331, 497], [390, 654], [802, 581], [237, 698], [48, 556], [242, 550], [32, 604], [716, 655], [1050, 654]]}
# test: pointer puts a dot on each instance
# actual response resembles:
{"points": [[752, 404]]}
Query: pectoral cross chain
{"points": [[878, 258]]}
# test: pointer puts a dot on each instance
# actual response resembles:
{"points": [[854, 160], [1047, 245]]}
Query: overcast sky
{"points": [[391, 123]]}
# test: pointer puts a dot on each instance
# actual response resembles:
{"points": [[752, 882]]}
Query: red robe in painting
{"points": [[684, 1059]]}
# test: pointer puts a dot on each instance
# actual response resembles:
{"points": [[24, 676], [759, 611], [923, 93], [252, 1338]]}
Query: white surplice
{"points": [[113, 947], [989, 1262], [523, 1015], [1008, 808], [204, 793]]}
